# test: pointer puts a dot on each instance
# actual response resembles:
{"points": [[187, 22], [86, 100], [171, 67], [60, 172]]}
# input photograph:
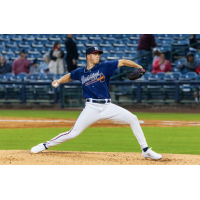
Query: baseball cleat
{"points": [[151, 154], [38, 148]]}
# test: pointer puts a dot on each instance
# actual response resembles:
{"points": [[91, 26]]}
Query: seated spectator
{"points": [[34, 69], [156, 55], [21, 64], [191, 65], [4, 66], [162, 65], [44, 67], [56, 65]]}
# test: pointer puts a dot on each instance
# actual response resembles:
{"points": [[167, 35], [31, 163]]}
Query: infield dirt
{"points": [[19, 157]]}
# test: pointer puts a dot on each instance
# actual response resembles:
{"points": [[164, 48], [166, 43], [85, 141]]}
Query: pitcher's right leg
{"points": [[89, 115]]}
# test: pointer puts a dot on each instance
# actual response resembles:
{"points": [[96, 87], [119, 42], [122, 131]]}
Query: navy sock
{"points": [[45, 146], [145, 149]]}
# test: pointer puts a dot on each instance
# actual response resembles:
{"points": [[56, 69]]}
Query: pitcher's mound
{"points": [[22, 157]]}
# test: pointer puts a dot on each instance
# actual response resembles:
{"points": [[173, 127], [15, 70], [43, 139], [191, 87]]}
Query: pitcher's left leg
{"points": [[116, 113]]}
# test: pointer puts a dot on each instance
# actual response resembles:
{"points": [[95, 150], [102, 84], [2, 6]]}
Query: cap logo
{"points": [[96, 48]]}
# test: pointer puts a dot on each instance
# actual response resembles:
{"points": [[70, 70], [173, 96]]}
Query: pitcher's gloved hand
{"points": [[136, 74]]}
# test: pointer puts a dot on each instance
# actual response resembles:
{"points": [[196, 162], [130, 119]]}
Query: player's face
{"points": [[94, 58]]}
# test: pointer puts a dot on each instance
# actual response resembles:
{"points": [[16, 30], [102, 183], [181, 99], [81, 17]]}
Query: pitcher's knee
{"points": [[133, 118]]}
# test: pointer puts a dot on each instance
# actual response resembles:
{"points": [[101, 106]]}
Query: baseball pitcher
{"points": [[95, 79]]}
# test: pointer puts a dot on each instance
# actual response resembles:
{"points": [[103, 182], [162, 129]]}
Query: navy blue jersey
{"points": [[95, 82]]}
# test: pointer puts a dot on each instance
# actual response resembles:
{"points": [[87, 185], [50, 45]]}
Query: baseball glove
{"points": [[136, 74]]}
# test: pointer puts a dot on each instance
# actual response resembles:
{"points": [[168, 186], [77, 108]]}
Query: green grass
{"points": [[74, 114], [178, 140]]}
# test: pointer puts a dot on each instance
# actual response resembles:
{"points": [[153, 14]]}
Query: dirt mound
{"points": [[21, 157]]}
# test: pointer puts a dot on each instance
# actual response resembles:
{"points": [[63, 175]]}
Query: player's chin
{"points": [[97, 61]]}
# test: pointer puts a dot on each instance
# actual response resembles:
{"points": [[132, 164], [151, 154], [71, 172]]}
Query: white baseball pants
{"points": [[94, 112]]}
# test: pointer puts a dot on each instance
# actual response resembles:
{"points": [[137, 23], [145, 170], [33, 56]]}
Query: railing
{"points": [[73, 90]]}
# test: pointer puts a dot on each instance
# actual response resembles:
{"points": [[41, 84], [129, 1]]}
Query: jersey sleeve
{"points": [[74, 75], [112, 66]]}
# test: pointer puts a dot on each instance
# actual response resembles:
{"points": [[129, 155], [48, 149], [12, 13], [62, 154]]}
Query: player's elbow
{"points": [[121, 63]]}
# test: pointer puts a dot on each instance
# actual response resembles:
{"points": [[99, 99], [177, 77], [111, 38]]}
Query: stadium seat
{"points": [[113, 57], [81, 63], [184, 77], [56, 38], [119, 43], [181, 36], [32, 78], [16, 78], [129, 56], [133, 43], [179, 45], [192, 75], [37, 44], [176, 75], [161, 75], [169, 77], [130, 49], [91, 44], [105, 44], [146, 76], [154, 77]]}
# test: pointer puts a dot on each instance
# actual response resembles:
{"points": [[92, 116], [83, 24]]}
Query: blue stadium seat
{"points": [[91, 44], [50, 44], [179, 45], [133, 43], [56, 38], [184, 77], [107, 48], [37, 44], [146, 75], [169, 77], [113, 57], [130, 49], [154, 77], [81, 48], [31, 78], [176, 75], [12, 44], [119, 43], [129, 56], [105, 44], [192, 75], [119, 49], [180, 36], [165, 35], [180, 61], [42, 38], [198, 77], [161, 75], [95, 39], [17, 78], [81, 63]]}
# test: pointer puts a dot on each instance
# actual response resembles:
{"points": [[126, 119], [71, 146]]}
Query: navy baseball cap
{"points": [[190, 53], [93, 50]]}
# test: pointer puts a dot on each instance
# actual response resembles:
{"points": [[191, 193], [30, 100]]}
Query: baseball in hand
{"points": [[55, 84]]}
